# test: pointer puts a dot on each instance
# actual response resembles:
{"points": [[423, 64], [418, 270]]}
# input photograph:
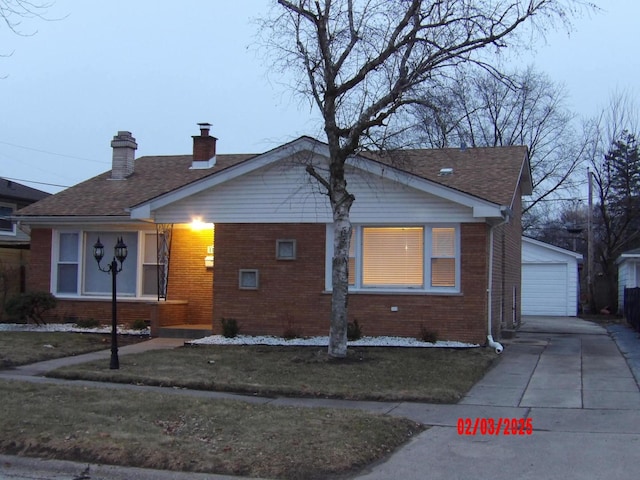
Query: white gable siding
{"points": [[549, 280], [285, 193]]}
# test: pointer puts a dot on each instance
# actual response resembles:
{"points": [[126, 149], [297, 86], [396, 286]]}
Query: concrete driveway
{"points": [[567, 377]]}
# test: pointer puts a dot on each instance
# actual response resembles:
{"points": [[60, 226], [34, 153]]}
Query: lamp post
{"points": [[120, 253]]}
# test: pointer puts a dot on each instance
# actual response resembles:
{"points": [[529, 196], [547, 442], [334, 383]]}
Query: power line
{"points": [[52, 153], [32, 181]]}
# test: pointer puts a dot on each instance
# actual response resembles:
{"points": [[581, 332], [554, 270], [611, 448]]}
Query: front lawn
{"points": [[21, 348], [437, 375], [172, 432]]}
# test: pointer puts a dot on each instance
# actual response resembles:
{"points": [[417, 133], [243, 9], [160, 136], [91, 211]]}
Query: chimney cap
{"points": [[204, 128]]}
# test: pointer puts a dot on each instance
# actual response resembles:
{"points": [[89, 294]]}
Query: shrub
{"points": [[87, 323], [70, 319], [230, 327], [31, 306], [426, 335], [354, 332], [139, 324], [290, 333]]}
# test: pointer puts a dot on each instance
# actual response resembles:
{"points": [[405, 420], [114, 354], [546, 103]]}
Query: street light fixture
{"points": [[120, 253]]}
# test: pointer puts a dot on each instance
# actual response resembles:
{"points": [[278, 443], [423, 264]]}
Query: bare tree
{"points": [[363, 62], [13, 12], [479, 108]]}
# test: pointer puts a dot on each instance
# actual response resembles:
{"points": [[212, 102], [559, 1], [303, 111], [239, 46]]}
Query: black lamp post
{"points": [[120, 253]]}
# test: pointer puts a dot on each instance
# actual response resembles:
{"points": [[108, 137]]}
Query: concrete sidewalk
{"points": [[567, 376]]}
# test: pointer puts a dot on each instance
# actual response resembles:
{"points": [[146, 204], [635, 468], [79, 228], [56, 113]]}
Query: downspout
{"points": [[506, 214]]}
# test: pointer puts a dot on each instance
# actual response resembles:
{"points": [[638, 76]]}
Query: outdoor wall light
{"points": [[120, 254]]}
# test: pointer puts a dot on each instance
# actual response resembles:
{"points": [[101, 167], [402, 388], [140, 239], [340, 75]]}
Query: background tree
{"points": [[616, 180], [565, 228], [362, 63], [481, 109]]}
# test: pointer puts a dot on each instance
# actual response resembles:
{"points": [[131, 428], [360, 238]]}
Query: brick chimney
{"points": [[204, 148], [124, 149]]}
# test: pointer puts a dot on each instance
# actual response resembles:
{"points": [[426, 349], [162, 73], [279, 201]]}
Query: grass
{"points": [[434, 375], [21, 348], [176, 432], [172, 432]]}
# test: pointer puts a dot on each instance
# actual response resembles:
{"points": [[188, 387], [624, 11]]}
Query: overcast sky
{"points": [[157, 68]]}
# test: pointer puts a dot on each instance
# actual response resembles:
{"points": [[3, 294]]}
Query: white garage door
{"points": [[544, 289]]}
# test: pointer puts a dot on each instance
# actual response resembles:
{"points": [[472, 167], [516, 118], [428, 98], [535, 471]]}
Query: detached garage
{"points": [[550, 283]]}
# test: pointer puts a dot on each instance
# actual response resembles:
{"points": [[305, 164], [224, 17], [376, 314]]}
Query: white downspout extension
{"points": [[497, 346]]}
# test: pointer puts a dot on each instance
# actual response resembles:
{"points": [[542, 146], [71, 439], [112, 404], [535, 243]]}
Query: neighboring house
{"points": [[14, 241], [628, 274], [550, 280], [436, 244]]}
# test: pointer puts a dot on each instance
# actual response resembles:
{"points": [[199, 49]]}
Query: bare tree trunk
{"points": [[340, 280]]}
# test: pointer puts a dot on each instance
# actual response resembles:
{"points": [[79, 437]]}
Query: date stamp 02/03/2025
{"points": [[495, 426]]}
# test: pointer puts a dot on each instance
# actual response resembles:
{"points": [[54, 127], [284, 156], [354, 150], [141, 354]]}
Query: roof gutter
{"points": [[71, 219]]}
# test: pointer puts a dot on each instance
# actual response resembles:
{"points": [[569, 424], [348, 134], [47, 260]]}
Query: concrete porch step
{"points": [[185, 331]]}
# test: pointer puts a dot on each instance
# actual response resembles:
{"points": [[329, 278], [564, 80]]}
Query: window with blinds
{"points": [[411, 258], [392, 256], [443, 257]]}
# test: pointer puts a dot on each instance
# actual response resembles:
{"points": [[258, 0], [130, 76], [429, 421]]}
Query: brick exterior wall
{"points": [[189, 295], [507, 268], [189, 280], [291, 293], [39, 268]]}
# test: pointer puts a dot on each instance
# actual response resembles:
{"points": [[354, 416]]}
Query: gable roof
{"points": [[490, 173], [481, 177], [102, 196], [550, 248]]}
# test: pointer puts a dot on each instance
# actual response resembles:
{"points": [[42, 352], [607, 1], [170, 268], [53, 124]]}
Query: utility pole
{"points": [[590, 288]]}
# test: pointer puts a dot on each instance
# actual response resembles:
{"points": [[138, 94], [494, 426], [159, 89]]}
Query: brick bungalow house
{"points": [[436, 244]]}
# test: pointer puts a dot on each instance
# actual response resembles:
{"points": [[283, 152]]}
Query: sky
{"points": [[157, 68]]}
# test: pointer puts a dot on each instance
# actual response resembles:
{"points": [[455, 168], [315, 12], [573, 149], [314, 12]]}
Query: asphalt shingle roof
{"points": [[152, 176], [16, 191], [490, 173], [487, 173]]}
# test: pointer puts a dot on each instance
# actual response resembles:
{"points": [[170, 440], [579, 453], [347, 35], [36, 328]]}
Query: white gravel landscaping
{"points": [[324, 341], [67, 327], [242, 339]]}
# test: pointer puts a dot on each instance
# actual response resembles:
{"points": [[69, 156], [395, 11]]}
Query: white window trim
{"points": [[426, 287], [13, 232], [82, 236], [281, 241]]}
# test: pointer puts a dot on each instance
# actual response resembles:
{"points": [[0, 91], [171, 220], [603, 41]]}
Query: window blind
{"points": [[392, 256], [443, 251]]}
